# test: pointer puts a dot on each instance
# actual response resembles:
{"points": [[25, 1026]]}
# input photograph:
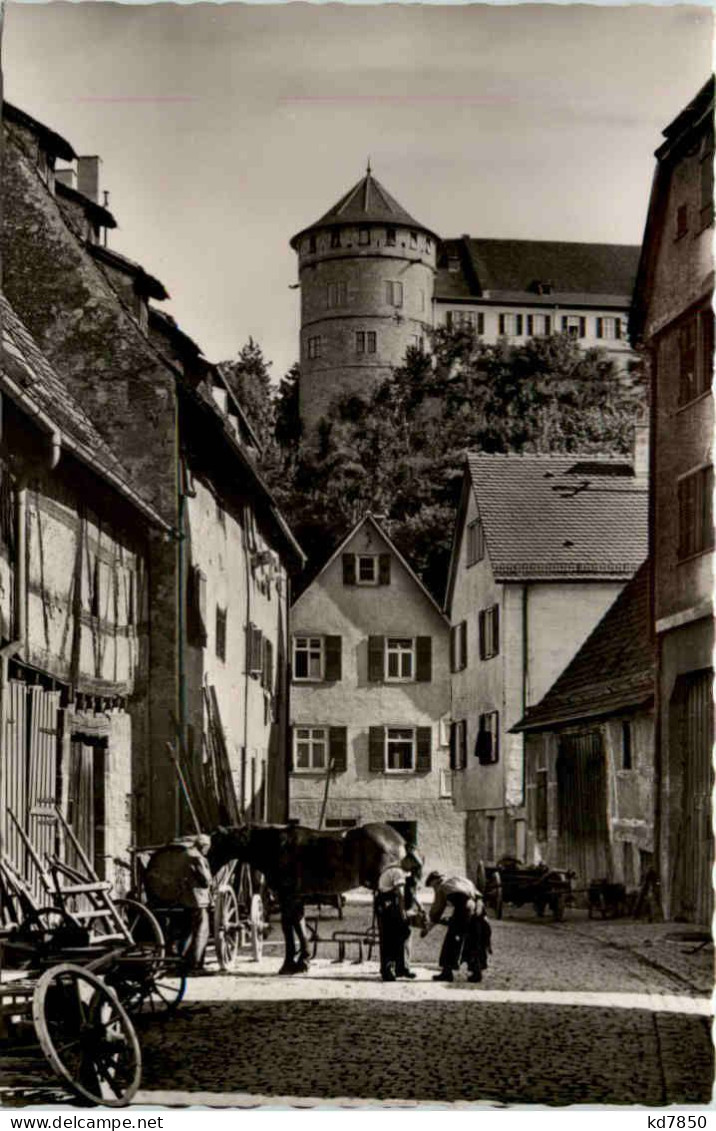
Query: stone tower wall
{"points": [[335, 316]]}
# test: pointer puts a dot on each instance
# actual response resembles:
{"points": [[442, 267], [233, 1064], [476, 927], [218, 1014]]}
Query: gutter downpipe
{"points": [[247, 674], [181, 624], [525, 680]]}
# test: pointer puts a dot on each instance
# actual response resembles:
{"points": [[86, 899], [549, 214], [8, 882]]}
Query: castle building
{"points": [[374, 280]]}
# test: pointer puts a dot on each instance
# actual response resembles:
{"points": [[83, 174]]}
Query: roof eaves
{"points": [[145, 283], [54, 142], [96, 212]]}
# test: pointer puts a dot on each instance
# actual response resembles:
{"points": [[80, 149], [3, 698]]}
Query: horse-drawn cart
{"points": [[511, 881]]}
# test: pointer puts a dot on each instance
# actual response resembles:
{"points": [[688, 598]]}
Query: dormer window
{"points": [[46, 167]]}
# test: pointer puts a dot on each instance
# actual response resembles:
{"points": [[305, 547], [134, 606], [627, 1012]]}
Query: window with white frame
{"points": [[393, 293], [310, 748], [472, 320], [609, 328], [314, 347], [489, 631], [475, 542], [574, 325], [487, 742], [510, 325], [308, 657], [399, 749], [539, 325], [399, 658], [365, 341], [336, 294], [367, 569]]}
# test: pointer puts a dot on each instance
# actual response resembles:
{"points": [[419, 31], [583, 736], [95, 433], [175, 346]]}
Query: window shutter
{"points": [[617, 327], [384, 569], [463, 743], [333, 646], [564, 323], [481, 632], [338, 745], [496, 630], [483, 744], [548, 324], [530, 325], [600, 328], [480, 322], [502, 323], [453, 650], [518, 325], [453, 750], [376, 659], [376, 750], [582, 327], [349, 569], [449, 320], [423, 761], [424, 664], [463, 644]]}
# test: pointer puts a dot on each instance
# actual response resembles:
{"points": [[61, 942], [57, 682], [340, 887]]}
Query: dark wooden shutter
{"points": [[453, 746], [349, 569], [338, 745], [449, 320], [600, 327], [424, 664], [453, 648], [480, 322], [376, 659], [548, 324], [376, 750], [463, 744], [481, 632], [384, 569], [463, 644], [333, 658], [530, 325], [518, 325], [495, 630], [582, 327], [502, 323], [564, 323], [423, 761]]}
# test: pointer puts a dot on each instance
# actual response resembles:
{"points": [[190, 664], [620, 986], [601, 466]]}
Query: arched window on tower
{"points": [[390, 237], [364, 236]]}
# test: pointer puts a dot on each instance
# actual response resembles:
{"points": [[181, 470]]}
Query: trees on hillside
{"points": [[399, 450], [249, 380]]}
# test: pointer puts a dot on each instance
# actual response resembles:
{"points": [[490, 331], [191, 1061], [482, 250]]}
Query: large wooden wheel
{"points": [[87, 1035], [227, 927], [143, 926]]}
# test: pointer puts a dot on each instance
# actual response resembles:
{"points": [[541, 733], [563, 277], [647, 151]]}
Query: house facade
{"points": [[374, 281], [673, 322], [218, 588], [74, 618], [370, 700], [542, 546], [589, 751]]}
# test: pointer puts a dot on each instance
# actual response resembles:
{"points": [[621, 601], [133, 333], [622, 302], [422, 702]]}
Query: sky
{"points": [[225, 129]]}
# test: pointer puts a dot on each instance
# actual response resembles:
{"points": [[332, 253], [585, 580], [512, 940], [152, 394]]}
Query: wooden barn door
{"points": [[86, 801], [690, 763], [582, 801]]}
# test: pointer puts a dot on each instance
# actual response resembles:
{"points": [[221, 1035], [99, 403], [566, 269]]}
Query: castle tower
{"points": [[366, 271]]}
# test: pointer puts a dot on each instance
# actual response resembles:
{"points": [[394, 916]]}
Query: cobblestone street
{"points": [[574, 1013]]}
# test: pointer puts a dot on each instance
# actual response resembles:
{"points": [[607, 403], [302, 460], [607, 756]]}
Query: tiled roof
{"points": [[514, 270], [367, 202], [613, 670], [28, 369], [560, 516]]}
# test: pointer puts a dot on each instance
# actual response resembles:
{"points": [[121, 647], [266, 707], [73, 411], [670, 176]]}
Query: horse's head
{"points": [[229, 843]]}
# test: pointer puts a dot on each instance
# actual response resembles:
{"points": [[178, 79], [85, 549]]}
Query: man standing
{"points": [[391, 912], [468, 935]]}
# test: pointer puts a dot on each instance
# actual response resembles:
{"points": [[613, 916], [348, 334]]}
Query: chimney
{"points": [[88, 177], [66, 177], [640, 457]]}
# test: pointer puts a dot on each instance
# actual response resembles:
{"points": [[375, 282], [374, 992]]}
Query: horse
{"points": [[298, 862]]}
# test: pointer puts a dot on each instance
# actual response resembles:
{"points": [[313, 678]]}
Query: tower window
{"points": [[394, 293], [390, 237], [311, 245], [336, 295], [314, 347], [413, 239], [335, 238], [365, 341], [364, 236]]}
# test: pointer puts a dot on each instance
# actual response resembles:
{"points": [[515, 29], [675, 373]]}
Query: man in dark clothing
{"points": [[468, 934], [391, 912]]}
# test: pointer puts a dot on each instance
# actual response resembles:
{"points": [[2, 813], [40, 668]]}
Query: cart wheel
{"points": [[45, 927], [227, 928], [257, 927], [558, 905], [153, 992], [86, 1035], [143, 926]]}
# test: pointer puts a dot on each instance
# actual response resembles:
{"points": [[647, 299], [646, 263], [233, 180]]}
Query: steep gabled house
{"points": [[74, 617], [673, 322], [218, 585], [542, 546], [589, 750], [370, 699]]}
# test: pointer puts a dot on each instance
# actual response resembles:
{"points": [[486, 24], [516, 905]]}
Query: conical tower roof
{"points": [[367, 202]]}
